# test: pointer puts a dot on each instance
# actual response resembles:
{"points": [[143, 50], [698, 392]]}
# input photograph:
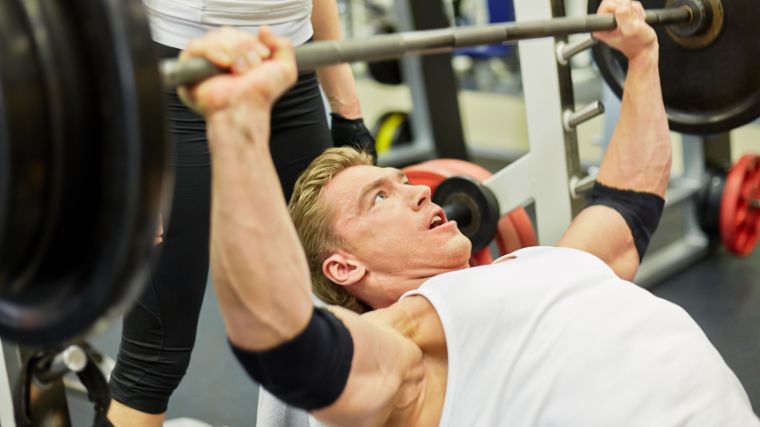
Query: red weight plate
{"points": [[524, 227], [507, 240], [739, 210]]}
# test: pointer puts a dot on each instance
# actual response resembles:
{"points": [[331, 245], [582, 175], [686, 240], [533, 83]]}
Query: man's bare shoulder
{"points": [[388, 374], [415, 319], [401, 316]]}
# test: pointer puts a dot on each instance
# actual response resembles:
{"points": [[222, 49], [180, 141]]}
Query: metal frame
{"points": [[44, 405], [8, 364], [552, 149]]}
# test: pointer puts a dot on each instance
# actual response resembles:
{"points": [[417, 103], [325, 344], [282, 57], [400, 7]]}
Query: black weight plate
{"points": [[481, 203], [708, 205], [708, 90], [25, 149], [113, 169], [388, 71]]}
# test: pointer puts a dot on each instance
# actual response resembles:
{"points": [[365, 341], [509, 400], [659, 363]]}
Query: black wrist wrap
{"points": [[641, 211], [311, 370]]}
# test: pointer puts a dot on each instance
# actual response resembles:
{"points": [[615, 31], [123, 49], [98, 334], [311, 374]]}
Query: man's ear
{"points": [[343, 270]]}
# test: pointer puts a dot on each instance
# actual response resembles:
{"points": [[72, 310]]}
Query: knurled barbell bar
{"points": [[387, 46]]}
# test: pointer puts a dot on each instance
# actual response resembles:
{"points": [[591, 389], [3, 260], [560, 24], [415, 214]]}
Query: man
{"points": [[547, 336]]}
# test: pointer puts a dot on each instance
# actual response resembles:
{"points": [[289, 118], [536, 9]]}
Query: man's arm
{"points": [[259, 269], [638, 157]]}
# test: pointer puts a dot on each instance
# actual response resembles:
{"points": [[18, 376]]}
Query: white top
{"points": [[174, 22], [554, 337]]}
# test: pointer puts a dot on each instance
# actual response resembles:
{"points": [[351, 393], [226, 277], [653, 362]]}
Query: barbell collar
{"points": [[387, 46]]}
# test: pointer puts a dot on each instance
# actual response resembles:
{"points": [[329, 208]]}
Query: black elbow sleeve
{"points": [[641, 211], [311, 370]]}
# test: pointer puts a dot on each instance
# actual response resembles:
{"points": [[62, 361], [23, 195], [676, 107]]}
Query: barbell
{"points": [[84, 153], [388, 46]]}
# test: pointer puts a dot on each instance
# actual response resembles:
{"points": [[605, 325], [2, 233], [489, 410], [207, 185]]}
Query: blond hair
{"points": [[314, 219]]}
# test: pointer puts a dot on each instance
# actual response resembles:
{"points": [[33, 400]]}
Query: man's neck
{"points": [[394, 286]]}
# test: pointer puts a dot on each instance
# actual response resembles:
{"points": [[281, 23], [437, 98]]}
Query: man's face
{"points": [[392, 227]]}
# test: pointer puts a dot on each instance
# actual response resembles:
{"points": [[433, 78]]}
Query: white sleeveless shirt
{"points": [[555, 338], [174, 22]]}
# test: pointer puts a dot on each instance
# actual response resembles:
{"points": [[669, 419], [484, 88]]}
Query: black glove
{"points": [[352, 132]]}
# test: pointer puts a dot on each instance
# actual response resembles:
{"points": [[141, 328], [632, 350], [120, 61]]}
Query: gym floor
{"points": [[721, 292]]}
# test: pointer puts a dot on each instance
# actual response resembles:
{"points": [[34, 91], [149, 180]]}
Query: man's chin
{"points": [[459, 250]]}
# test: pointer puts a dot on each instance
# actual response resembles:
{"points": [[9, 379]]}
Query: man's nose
{"points": [[420, 196]]}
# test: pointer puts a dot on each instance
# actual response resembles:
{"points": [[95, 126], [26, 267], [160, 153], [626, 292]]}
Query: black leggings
{"points": [[159, 332]]}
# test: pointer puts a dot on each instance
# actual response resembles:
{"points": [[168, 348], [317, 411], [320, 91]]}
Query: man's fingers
{"points": [[228, 48], [281, 48], [608, 6], [625, 18], [262, 64], [638, 10], [247, 59], [262, 50], [210, 48], [282, 52]]}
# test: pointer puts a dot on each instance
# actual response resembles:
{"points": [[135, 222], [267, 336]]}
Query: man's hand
{"points": [[633, 35], [261, 67]]}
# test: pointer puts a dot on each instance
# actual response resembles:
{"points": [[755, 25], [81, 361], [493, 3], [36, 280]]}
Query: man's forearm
{"points": [[337, 80], [259, 269], [639, 155]]}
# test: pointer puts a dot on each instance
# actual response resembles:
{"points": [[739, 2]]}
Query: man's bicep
{"points": [[603, 232], [383, 362]]}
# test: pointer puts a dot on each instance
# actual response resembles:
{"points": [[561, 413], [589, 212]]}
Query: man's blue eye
{"points": [[379, 196]]}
